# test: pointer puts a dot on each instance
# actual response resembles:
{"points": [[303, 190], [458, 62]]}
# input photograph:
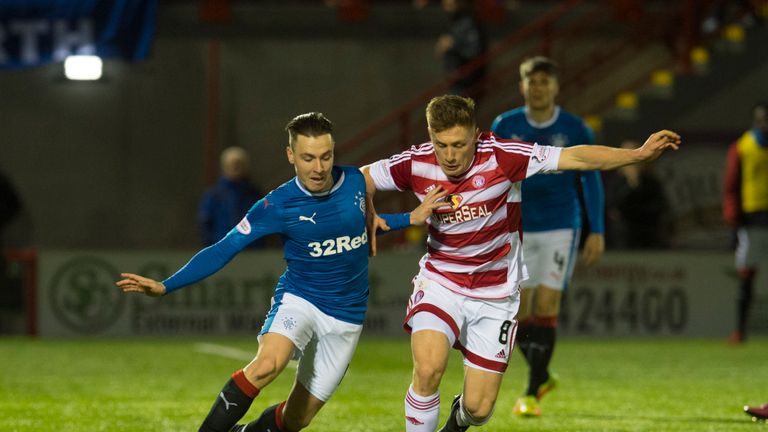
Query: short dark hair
{"points": [[312, 124], [539, 64], [763, 105], [447, 111]]}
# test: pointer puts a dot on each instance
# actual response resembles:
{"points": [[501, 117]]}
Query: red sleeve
{"points": [[732, 188], [513, 158]]}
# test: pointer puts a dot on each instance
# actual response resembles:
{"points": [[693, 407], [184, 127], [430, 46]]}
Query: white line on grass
{"points": [[223, 351], [230, 352]]}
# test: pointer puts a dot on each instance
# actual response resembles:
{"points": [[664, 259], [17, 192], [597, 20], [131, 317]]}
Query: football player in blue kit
{"points": [[551, 221], [320, 301]]}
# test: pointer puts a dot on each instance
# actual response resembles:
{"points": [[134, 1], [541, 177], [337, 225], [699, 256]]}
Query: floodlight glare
{"points": [[83, 67]]}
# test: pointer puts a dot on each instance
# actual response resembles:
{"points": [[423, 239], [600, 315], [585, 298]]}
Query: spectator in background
{"points": [[745, 207], [224, 205], [464, 41], [719, 14], [638, 211]]}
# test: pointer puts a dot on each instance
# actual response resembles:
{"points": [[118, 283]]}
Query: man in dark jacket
{"points": [[224, 205]]}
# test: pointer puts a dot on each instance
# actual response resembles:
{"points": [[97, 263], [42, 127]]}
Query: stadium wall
{"points": [[627, 295], [119, 163]]}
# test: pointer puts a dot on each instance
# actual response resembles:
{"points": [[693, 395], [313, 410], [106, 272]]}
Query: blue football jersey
{"points": [[325, 244], [550, 200]]}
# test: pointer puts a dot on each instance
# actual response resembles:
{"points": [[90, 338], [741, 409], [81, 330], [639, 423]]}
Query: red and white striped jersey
{"points": [[473, 248]]}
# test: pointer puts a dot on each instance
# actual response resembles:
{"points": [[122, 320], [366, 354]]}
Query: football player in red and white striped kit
{"points": [[466, 293]]}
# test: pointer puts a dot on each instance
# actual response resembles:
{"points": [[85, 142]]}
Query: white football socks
{"points": [[421, 412]]}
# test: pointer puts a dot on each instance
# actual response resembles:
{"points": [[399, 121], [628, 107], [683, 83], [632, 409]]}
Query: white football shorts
{"points": [[324, 345], [752, 248], [550, 257], [482, 329]]}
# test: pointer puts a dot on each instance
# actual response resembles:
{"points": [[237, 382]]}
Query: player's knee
{"points": [[746, 273], [547, 311], [262, 368], [426, 377], [549, 307], [524, 309]]}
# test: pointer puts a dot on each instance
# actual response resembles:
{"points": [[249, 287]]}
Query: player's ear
{"points": [[289, 153]]}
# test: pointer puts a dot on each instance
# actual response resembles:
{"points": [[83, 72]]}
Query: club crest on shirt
{"points": [[419, 295], [289, 323], [558, 140], [478, 181], [360, 201]]}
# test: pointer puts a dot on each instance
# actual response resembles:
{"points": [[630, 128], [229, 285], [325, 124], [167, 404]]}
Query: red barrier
{"points": [[27, 258]]}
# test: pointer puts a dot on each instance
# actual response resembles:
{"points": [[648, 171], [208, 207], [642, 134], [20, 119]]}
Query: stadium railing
{"points": [[554, 33]]}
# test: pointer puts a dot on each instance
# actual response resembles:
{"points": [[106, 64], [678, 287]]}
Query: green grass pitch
{"points": [[169, 384]]}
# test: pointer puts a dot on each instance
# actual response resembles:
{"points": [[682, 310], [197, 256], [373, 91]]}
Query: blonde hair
{"points": [[447, 111]]}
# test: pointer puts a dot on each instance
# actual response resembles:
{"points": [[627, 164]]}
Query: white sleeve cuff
{"points": [[543, 159]]}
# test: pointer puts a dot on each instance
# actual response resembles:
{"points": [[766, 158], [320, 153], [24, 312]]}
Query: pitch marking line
{"points": [[231, 352]]}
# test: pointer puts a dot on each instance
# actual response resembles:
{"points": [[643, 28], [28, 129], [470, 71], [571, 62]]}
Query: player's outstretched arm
{"points": [[433, 200], [140, 284], [594, 157]]}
